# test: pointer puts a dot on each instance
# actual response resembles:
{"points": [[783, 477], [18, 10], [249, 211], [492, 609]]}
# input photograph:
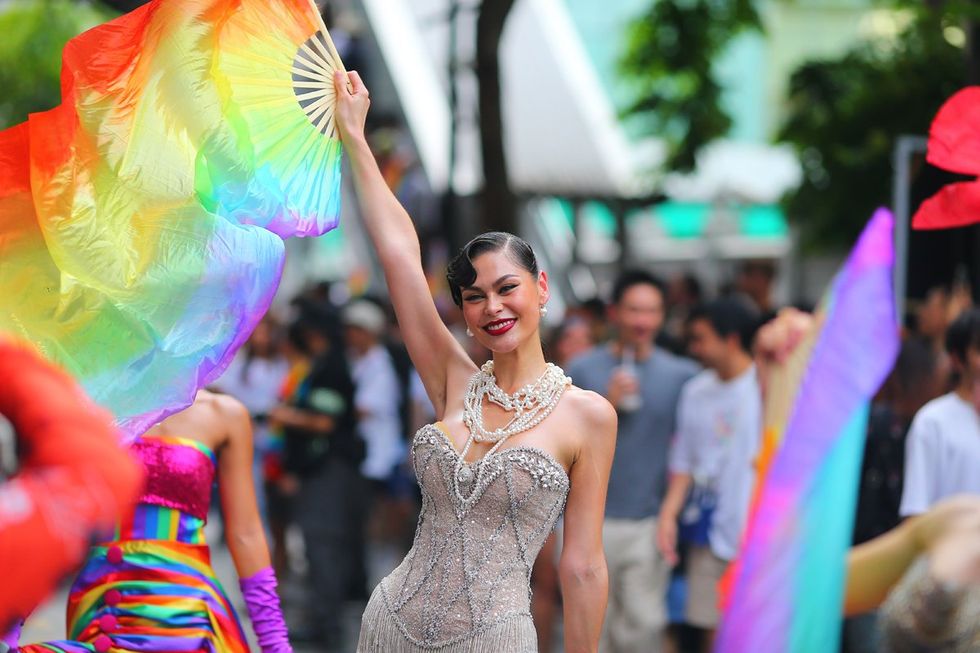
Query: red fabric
{"points": [[954, 145], [954, 137], [955, 205], [74, 479]]}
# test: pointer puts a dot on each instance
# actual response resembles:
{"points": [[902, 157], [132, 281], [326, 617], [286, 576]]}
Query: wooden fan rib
{"points": [[309, 74], [324, 92], [301, 84], [313, 106], [331, 131], [312, 60], [323, 50], [313, 70], [313, 116], [316, 60], [325, 119]]}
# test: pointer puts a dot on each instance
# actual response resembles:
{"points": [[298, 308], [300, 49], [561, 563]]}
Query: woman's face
{"points": [[502, 307]]}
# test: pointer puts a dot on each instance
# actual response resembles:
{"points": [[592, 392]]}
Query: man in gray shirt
{"points": [[644, 383]]}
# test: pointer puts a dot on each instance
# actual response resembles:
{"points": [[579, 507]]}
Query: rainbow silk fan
{"points": [[141, 221]]}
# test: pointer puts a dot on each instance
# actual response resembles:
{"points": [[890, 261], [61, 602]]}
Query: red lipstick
{"points": [[500, 327]]}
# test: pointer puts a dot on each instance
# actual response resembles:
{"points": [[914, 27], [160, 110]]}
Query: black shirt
{"points": [[327, 389]]}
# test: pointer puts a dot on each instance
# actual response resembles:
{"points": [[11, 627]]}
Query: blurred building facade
{"points": [[592, 197]]}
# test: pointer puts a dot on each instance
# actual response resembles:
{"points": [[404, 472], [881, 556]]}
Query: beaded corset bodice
{"points": [[478, 535]]}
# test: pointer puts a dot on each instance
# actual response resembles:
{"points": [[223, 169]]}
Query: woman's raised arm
{"points": [[434, 351]]}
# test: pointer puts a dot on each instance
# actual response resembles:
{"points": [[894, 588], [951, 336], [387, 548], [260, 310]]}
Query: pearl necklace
{"points": [[530, 405]]}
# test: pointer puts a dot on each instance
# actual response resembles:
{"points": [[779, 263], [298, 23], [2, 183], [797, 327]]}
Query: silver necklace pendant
{"points": [[465, 474]]}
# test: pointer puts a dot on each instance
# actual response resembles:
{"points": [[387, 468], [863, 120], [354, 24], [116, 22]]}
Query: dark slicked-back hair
{"points": [[728, 316], [637, 277], [461, 273], [963, 334]]}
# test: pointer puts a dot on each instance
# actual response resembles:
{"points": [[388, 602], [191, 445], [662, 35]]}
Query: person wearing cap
{"points": [[377, 398], [378, 401]]}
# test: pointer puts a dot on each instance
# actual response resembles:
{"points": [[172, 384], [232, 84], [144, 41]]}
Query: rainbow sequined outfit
{"points": [[152, 587]]}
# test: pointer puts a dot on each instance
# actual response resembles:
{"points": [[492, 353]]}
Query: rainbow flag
{"points": [[788, 581], [141, 221]]}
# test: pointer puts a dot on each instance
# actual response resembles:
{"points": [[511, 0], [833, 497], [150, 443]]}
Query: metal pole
{"points": [[905, 147], [450, 217]]}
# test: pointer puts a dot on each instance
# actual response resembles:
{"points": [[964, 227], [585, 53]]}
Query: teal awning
{"points": [[680, 220]]}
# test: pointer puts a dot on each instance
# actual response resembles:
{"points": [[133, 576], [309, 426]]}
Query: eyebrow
{"points": [[495, 283]]}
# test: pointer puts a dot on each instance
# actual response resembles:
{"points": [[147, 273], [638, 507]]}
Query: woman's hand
{"points": [[351, 107], [779, 338], [956, 514], [776, 341]]}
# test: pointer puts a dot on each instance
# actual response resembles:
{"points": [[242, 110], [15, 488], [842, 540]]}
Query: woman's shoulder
{"points": [[222, 417], [591, 410]]}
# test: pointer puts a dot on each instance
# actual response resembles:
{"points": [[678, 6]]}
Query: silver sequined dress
{"points": [[465, 585]]}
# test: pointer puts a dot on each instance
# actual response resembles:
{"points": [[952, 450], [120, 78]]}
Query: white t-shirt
{"points": [[376, 395], [719, 427], [256, 383], [942, 454]]}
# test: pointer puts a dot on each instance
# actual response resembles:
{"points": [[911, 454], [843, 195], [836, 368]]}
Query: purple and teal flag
{"points": [[784, 594]]}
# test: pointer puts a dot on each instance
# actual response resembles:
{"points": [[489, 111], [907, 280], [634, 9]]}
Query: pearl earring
{"points": [[543, 310], [468, 332]]}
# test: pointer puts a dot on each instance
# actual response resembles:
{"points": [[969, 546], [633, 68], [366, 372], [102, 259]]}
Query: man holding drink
{"points": [[644, 382]]}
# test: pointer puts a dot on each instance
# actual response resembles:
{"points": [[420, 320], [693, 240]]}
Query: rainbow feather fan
{"points": [[141, 221], [786, 587]]}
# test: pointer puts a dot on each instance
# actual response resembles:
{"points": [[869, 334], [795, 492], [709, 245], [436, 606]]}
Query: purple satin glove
{"points": [[262, 601], [12, 638]]}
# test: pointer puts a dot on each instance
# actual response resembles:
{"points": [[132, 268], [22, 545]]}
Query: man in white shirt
{"points": [[719, 426], [942, 451], [378, 394]]}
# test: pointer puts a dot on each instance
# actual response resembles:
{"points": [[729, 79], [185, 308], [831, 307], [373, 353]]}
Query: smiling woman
{"points": [[515, 444]]}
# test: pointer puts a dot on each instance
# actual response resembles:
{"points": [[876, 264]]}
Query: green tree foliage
{"points": [[845, 115], [34, 33], [670, 52]]}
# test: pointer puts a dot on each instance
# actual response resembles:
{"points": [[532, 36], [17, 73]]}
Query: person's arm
{"points": [[305, 421], [244, 531], [670, 509], [75, 479], [681, 460], [436, 354], [582, 567], [874, 567], [236, 485]]}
